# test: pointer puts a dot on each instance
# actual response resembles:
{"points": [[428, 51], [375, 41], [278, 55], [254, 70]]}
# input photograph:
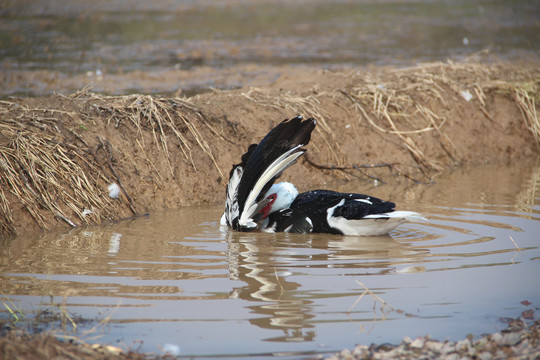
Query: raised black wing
{"points": [[261, 166]]}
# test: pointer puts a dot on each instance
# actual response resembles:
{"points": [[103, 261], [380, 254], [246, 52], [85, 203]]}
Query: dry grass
{"points": [[527, 106], [395, 104], [44, 171], [417, 96], [159, 115], [308, 105], [17, 345], [49, 168]]}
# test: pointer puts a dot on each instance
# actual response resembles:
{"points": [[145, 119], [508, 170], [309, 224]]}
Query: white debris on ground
{"points": [[466, 94], [114, 190]]}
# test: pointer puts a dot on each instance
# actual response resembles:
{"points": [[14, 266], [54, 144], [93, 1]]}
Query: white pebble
{"points": [[511, 339], [114, 190], [463, 345], [418, 343], [453, 356], [448, 348], [434, 346], [484, 356]]}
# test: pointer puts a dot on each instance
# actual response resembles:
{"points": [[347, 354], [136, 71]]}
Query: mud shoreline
{"points": [[520, 340]]}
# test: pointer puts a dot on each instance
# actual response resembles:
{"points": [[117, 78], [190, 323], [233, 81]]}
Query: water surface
{"points": [[177, 278]]}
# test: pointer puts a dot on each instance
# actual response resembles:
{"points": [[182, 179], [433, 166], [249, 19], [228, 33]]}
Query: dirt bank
{"points": [[59, 154]]}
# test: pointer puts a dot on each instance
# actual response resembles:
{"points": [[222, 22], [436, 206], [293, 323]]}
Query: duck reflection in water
{"points": [[269, 264]]}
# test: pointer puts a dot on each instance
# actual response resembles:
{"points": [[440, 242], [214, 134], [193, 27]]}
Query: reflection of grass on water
{"points": [[54, 332], [47, 317], [53, 318], [526, 199], [15, 311], [378, 303]]}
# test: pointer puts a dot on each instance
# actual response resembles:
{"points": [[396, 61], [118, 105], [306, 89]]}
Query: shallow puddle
{"points": [[177, 279]]}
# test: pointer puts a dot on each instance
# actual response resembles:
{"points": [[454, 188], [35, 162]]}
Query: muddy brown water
{"points": [[175, 280]]}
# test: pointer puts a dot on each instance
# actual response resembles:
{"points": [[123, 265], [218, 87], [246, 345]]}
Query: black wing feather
{"points": [[290, 221], [287, 135], [282, 138], [321, 200], [315, 204]]}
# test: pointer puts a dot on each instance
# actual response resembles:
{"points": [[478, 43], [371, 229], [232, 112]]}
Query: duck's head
{"points": [[281, 196]]}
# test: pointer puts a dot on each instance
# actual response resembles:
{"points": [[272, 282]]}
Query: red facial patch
{"points": [[265, 210]]}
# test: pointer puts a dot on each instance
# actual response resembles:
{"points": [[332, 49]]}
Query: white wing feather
{"points": [[231, 203], [279, 165]]}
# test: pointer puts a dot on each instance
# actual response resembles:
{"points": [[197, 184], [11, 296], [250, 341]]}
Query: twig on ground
{"points": [[391, 167]]}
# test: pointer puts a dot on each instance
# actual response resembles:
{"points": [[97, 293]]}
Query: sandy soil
{"points": [[59, 154]]}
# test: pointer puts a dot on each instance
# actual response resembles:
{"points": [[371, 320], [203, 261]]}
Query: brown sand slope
{"points": [[59, 154]]}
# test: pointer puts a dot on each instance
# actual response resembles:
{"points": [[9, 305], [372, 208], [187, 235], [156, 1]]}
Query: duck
{"points": [[255, 202], [332, 212]]}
